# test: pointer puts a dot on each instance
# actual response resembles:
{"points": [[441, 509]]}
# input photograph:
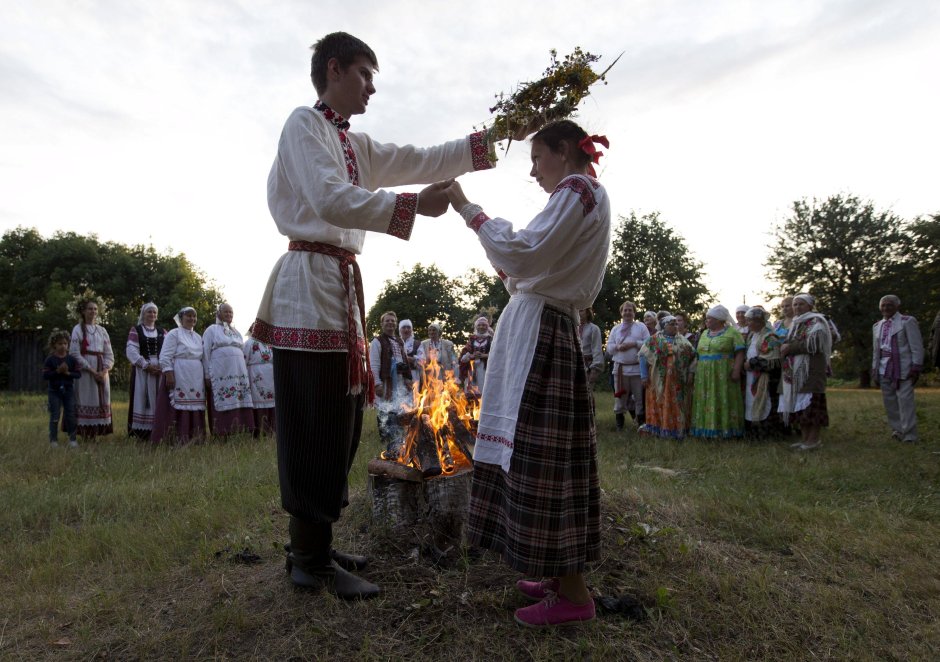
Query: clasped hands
{"points": [[434, 199]]}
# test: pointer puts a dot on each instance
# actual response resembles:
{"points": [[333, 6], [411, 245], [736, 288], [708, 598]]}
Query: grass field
{"points": [[737, 550]]}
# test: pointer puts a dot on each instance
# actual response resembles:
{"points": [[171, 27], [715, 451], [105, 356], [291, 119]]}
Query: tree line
{"points": [[842, 250], [41, 280]]}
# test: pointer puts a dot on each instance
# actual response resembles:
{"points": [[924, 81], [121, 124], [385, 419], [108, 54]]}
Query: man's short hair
{"points": [[387, 313], [342, 46], [890, 297]]}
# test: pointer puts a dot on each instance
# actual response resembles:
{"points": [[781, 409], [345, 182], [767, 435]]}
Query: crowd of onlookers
{"points": [[745, 376], [179, 378], [739, 376]]}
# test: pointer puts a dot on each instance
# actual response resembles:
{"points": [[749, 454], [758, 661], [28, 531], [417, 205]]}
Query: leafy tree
{"points": [[425, 294], [651, 265], [41, 279], [847, 255]]}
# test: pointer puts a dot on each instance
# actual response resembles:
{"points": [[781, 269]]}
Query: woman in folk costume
{"points": [[665, 367], [805, 357], [782, 325], [740, 316], [90, 346], [181, 400], [762, 365], [144, 342], [438, 349], [259, 360], [406, 331], [473, 356], [229, 388], [535, 496], [717, 402]]}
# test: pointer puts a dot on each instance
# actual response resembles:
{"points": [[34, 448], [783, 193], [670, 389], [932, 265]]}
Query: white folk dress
{"points": [[91, 348], [182, 354], [224, 361], [258, 359], [558, 259], [144, 405]]}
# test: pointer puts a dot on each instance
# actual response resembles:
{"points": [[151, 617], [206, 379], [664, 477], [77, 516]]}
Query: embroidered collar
{"points": [[337, 120]]}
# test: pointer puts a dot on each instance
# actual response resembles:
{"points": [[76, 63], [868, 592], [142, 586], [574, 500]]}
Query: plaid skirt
{"points": [[816, 414], [543, 515]]}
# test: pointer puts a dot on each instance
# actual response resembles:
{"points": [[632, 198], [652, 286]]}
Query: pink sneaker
{"points": [[554, 610], [537, 590]]}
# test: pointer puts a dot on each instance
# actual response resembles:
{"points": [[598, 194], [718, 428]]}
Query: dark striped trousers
{"points": [[318, 430]]}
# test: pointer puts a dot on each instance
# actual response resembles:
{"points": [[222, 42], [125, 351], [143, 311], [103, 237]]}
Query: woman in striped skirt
{"points": [[535, 496]]}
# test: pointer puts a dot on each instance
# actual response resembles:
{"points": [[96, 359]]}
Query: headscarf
{"points": [[143, 309], [818, 340], [808, 298], [177, 317], [743, 308], [435, 325], [666, 320], [719, 312], [219, 320], [405, 323], [758, 313], [477, 321]]}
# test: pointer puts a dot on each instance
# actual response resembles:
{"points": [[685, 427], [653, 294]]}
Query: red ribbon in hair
{"points": [[586, 144]]}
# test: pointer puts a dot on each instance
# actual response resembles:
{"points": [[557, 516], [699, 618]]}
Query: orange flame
{"points": [[434, 401]]}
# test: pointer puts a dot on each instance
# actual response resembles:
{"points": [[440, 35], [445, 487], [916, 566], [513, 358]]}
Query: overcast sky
{"points": [[157, 122]]}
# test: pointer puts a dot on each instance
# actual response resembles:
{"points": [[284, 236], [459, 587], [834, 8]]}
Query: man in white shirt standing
{"points": [[897, 361], [623, 345], [324, 193]]}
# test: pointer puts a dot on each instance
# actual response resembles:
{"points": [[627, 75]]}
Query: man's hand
{"points": [[456, 196], [432, 201]]}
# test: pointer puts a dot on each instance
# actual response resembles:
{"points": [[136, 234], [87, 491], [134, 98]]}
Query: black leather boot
{"points": [[310, 565], [620, 420], [351, 562]]}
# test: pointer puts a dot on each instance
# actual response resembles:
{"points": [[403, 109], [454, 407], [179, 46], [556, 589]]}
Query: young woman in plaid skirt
{"points": [[535, 496]]}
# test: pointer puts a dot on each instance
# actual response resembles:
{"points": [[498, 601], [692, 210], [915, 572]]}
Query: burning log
{"points": [[463, 438], [426, 449], [379, 467]]}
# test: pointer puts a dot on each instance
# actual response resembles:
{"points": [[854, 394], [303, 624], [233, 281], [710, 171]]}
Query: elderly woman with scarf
{"points": [[717, 403], [805, 357], [144, 342], [436, 349], [181, 401], [227, 382], [762, 363], [474, 354], [665, 362]]}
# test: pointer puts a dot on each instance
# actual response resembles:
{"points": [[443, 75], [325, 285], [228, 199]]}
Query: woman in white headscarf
{"points": [[144, 342], [718, 403], [229, 397], [181, 398], [805, 359], [473, 356], [763, 373]]}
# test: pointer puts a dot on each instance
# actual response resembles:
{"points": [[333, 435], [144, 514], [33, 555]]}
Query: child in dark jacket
{"points": [[61, 370]]}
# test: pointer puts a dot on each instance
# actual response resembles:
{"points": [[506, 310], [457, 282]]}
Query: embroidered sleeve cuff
{"points": [[481, 150], [474, 216], [403, 216], [501, 274]]}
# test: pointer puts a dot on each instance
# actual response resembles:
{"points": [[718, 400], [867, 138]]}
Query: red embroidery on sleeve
{"points": [[478, 221], [403, 216], [479, 151]]}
